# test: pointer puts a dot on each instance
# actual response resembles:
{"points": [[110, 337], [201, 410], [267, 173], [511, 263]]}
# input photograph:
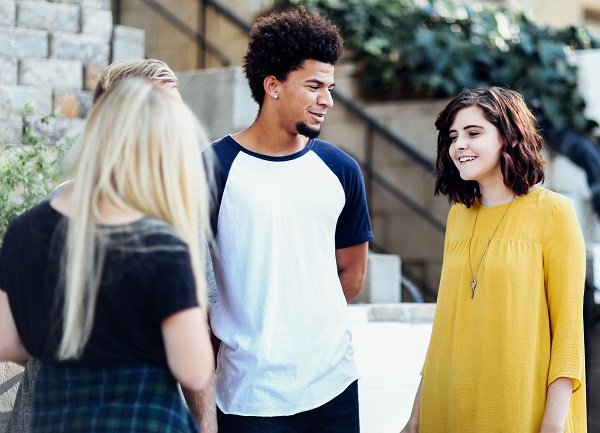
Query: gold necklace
{"points": [[474, 277]]}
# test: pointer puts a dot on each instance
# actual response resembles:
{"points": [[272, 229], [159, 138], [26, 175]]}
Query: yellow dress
{"points": [[491, 357]]}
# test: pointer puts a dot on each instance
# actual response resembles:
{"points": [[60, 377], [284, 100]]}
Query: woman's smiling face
{"points": [[475, 146]]}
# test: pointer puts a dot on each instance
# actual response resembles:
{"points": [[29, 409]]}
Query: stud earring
{"points": [[275, 96]]}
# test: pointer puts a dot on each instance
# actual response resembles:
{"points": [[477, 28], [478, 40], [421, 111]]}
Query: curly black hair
{"points": [[520, 160], [281, 42]]}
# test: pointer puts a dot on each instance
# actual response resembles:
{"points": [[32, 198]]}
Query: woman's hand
{"points": [[557, 405], [412, 426]]}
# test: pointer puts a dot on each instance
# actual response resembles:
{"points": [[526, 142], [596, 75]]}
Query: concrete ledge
{"points": [[401, 312]]}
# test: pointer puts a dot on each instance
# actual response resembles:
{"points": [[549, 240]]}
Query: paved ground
{"points": [[389, 355]]}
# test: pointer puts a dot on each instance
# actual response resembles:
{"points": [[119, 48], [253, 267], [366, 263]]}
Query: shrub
{"points": [[29, 170]]}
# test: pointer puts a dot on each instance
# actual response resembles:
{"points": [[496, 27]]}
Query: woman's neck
{"points": [[496, 196]]}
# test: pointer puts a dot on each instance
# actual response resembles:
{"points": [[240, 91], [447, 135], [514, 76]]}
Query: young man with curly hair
{"points": [[291, 238]]}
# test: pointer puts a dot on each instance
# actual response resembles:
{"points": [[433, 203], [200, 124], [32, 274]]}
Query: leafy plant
{"points": [[29, 170], [434, 48]]}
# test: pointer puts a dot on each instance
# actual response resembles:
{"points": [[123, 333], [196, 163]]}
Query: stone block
{"points": [[7, 13], [44, 15], [89, 49], [57, 129], [98, 4], [72, 103], [17, 42], [11, 128], [8, 66], [13, 99], [128, 43], [56, 73], [98, 22], [91, 75]]}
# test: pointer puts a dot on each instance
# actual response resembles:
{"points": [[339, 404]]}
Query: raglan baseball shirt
{"points": [[282, 314]]}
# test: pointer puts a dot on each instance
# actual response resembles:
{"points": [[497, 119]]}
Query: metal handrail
{"points": [[398, 194], [382, 130], [230, 15], [8, 384]]}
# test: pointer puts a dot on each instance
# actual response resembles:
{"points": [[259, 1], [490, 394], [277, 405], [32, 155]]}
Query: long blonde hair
{"points": [[140, 151]]}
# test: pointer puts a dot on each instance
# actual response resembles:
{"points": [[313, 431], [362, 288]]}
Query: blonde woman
{"points": [[102, 283]]}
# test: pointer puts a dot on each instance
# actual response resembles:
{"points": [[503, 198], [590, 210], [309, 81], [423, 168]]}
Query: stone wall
{"points": [[51, 55], [51, 50]]}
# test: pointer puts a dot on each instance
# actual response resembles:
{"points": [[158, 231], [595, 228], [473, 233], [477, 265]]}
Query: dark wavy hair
{"points": [[520, 157], [281, 42]]}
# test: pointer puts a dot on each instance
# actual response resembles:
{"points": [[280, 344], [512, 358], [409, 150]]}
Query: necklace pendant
{"points": [[473, 285]]}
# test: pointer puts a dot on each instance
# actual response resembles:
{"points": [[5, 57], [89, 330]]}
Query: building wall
{"points": [[560, 13]]}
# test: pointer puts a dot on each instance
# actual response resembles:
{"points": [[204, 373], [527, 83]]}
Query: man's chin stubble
{"points": [[303, 129]]}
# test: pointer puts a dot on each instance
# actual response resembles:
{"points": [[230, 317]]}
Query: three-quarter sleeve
{"points": [[564, 273]]}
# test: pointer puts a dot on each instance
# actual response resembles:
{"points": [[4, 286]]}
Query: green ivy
{"points": [[406, 49], [29, 170]]}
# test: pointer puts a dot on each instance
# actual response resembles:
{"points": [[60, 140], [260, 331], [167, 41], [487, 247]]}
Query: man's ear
{"points": [[271, 86]]}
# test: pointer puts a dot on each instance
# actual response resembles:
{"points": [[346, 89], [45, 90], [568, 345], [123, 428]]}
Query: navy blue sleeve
{"points": [[354, 225], [218, 160]]}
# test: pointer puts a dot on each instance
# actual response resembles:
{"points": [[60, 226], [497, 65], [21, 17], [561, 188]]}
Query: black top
{"points": [[147, 276]]}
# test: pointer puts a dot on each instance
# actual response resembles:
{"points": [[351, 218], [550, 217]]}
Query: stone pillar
{"points": [[382, 283], [220, 98]]}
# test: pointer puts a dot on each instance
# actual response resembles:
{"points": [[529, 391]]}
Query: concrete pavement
{"points": [[390, 342]]}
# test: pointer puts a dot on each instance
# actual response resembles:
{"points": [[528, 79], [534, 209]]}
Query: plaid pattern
{"points": [[124, 399]]}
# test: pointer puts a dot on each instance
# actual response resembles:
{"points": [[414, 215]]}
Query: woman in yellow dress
{"points": [[506, 352]]}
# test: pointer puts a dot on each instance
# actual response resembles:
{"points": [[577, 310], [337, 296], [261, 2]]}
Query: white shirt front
{"points": [[286, 346]]}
